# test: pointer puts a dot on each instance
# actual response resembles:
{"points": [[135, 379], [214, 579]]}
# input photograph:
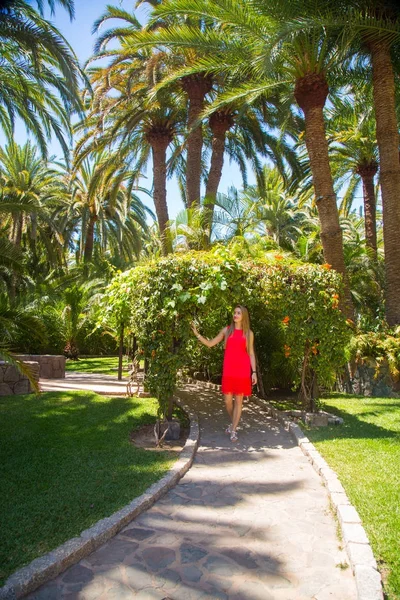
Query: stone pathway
{"points": [[93, 382], [249, 521]]}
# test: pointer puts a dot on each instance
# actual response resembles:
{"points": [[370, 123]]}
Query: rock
{"points": [[11, 375], [174, 430], [5, 389], [22, 387]]}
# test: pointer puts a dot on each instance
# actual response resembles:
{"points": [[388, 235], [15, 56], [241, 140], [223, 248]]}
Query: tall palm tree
{"points": [[39, 74], [370, 29], [252, 38], [124, 117], [196, 87], [355, 156]]}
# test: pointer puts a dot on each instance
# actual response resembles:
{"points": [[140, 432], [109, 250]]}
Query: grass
{"points": [[365, 453], [106, 365], [66, 462]]}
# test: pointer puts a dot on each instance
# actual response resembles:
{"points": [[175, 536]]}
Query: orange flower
{"points": [[335, 296], [286, 320], [327, 266], [314, 349], [278, 257], [287, 350]]}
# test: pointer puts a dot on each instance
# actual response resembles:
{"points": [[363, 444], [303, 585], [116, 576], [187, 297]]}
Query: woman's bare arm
{"points": [[252, 358], [209, 343]]}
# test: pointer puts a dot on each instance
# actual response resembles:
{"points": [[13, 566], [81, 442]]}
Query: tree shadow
{"points": [[354, 426]]}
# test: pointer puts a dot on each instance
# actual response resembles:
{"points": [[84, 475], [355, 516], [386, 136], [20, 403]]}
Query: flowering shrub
{"points": [[294, 315], [379, 349]]}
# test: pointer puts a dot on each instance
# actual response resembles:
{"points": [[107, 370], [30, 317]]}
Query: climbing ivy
{"points": [[294, 309]]}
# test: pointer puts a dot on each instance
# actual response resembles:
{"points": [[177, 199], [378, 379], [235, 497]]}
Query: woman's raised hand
{"points": [[193, 327]]}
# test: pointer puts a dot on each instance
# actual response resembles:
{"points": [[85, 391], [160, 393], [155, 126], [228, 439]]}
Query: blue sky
{"points": [[78, 33]]}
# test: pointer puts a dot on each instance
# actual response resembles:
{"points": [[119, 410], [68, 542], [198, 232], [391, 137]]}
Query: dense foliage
{"points": [[294, 309]]}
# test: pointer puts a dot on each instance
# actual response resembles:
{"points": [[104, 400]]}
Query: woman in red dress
{"points": [[239, 369]]}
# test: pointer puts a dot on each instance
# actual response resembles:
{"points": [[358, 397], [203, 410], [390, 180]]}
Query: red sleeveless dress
{"points": [[236, 372]]}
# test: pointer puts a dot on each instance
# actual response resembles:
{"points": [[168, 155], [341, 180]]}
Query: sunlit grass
{"points": [[65, 462], [365, 453], [105, 365]]}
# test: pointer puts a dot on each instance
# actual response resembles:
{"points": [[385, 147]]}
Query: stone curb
{"points": [[367, 577], [48, 566]]}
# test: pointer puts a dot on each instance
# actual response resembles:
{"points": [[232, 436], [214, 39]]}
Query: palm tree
{"points": [[355, 156], [196, 87], [252, 39], [103, 209], [369, 30], [30, 192], [124, 117], [39, 74], [277, 213]]}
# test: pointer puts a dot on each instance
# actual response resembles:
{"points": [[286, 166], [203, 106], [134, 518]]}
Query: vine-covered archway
{"points": [[300, 334]]}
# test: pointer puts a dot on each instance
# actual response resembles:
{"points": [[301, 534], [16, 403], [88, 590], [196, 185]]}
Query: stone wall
{"points": [[52, 366], [14, 382]]}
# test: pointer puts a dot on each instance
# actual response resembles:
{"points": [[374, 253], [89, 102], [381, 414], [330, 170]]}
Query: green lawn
{"points": [[66, 462], [107, 365], [365, 453]]}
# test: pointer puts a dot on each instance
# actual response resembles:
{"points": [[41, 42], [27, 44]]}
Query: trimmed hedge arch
{"points": [[300, 334]]}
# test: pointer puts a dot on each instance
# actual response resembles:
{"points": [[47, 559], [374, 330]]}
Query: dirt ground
{"points": [[144, 438]]}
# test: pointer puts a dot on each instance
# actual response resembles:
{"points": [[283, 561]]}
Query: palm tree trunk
{"points": [[311, 92], [220, 122], [196, 87], [388, 143], [89, 241], [367, 174], [159, 149]]}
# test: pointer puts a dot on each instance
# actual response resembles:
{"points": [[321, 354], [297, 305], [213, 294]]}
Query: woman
{"points": [[239, 361]]}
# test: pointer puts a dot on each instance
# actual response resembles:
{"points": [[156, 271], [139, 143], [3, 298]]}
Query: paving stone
{"points": [[191, 553], [78, 574], [138, 534], [361, 554], [137, 576], [45, 593], [113, 552], [120, 592], [220, 566], [251, 589], [241, 557], [192, 573], [158, 557], [167, 579], [369, 583], [150, 594]]}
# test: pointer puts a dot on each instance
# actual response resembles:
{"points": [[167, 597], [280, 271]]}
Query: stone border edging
{"points": [[367, 577], [46, 567]]}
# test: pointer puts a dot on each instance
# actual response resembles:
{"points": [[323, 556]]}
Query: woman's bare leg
{"points": [[237, 411], [229, 405]]}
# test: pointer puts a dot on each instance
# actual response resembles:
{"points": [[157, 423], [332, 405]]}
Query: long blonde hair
{"points": [[245, 326]]}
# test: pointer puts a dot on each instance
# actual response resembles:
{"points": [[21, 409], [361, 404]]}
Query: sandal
{"points": [[228, 430], [234, 437]]}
